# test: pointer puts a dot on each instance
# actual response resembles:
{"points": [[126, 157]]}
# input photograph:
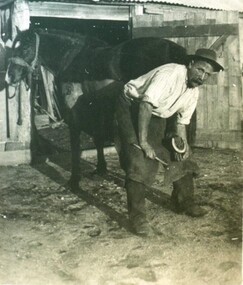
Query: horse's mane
{"points": [[75, 39], [61, 34]]}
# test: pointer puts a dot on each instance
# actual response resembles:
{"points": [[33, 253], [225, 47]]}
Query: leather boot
{"points": [[136, 208], [182, 197]]}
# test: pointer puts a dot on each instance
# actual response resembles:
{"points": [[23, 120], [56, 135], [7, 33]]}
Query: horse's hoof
{"points": [[100, 171], [73, 185]]}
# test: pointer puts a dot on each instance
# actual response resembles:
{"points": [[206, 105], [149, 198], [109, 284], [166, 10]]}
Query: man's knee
{"points": [[141, 169]]}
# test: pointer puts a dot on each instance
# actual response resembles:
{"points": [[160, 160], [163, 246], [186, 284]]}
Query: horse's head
{"points": [[23, 57]]}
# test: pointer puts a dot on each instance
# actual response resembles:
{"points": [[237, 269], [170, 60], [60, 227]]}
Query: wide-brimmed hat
{"points": [[208, 55]]}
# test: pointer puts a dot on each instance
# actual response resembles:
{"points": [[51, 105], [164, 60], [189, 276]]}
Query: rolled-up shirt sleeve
{"points": [[131, 91], [165, 88]]}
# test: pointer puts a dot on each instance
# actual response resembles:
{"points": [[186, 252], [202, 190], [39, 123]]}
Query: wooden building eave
{"points": [[79, 11]]}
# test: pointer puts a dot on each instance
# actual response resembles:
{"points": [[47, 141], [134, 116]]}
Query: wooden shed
{"points": [[192, 24]]}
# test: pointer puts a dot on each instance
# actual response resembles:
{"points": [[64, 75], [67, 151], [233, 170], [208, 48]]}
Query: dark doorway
{"points": [[113, 32]]}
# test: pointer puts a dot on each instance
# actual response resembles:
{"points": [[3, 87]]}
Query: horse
{"points": [[75, 58]]}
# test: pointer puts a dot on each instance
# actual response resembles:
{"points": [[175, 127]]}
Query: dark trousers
{"points": [[141, 171]]}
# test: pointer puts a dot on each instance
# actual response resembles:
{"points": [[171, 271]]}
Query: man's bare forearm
{"points": [[145, 113], [181, 131]]}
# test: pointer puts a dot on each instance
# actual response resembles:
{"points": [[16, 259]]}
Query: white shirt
{"points": [[165, 88]]}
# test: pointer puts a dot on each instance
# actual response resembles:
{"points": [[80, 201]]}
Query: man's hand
{"points": [[181, 132], [187, 152], [182, 156], [148, 150]]}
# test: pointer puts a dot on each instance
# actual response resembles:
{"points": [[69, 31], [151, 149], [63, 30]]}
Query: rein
{"points": [[31, 67]]}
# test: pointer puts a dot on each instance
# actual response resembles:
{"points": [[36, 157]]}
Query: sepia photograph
{"points": [[121, 127]]}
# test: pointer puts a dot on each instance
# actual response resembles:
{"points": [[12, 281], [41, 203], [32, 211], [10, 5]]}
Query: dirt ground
{"points": [[52, 236]]}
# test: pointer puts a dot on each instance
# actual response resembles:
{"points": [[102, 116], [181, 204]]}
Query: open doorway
{"points": [[112, 32], [48, 118]]}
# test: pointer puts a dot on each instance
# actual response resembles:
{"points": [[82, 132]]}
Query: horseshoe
{"points": [[176, 148]]}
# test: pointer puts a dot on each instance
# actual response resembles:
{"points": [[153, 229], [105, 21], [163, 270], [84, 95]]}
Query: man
{"points": [[141, 115]]}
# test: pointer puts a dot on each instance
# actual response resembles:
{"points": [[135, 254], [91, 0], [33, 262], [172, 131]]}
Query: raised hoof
{"points": [[141, 227]]}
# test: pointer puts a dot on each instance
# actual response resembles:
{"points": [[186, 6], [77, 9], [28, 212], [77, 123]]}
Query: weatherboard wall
{"points": [[218, 121]]}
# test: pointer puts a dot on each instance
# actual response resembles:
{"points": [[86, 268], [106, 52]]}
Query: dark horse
{"points": [[77, 58]]}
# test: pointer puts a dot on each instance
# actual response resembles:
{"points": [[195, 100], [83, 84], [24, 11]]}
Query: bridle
{"points": [[31, 68], [19, 61]]}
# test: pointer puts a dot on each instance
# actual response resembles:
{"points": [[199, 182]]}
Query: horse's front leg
{"points": [[101, 167], [75, 156]]}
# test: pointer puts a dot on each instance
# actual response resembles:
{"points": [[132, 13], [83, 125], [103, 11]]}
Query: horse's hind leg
{"points": [[75, 154], [101, 167]]}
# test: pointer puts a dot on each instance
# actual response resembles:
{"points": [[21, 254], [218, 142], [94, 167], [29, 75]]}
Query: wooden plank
{"points": [[234, 91], [211, 17], [233, 17], [138, 10], [223, 104], [15, 157], [169, 16], [141, 21], [184, 43], [157, 20], [203, 111], [213, 112], [200, 112], [10, 146], [233, 54], [222, 17], [48, 86], [188, 31], [233, 58], [190, 18], [234, 118], [193, 44], [212, 14], [13, 114], [3, 132], [229, 145], [220, 41], [19, 140], [204, 107], [24, 131], [200, 17], [79, 11], [180, 16], [236, 145]]}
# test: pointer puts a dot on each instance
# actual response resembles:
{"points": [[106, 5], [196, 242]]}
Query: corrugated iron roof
{"points": [[226, 5]]}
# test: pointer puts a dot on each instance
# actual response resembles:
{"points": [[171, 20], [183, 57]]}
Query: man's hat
{"points": [[208, 55]]}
